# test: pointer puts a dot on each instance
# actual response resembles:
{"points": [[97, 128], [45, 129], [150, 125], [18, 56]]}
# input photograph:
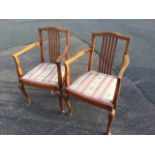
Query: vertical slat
{"points": [[113, 53], [41, 46], [101, 53], [49, 44], [58, 43], [108, 49], [110, 57], [53, 44], [104, 53], [52, 48], [110, 54], [107, 56]]}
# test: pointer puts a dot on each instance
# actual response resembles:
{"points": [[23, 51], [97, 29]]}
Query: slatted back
{"points": [[107, 52], [53, 42]]}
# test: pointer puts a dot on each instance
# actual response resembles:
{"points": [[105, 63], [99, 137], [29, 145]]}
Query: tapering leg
{"points": [[66, 98], [60, 97], [111, 116], [22, 89]]}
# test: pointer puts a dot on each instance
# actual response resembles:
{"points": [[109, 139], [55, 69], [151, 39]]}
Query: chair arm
{"points": [[65, 53], [72, 59], [26, 49], [22, 51], [125, 63], [77, 55]]}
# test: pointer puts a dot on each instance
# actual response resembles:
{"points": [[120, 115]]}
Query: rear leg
{"points": [[60, 97], [66, 98]]}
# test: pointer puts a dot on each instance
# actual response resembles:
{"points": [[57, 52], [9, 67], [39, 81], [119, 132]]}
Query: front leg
{"points": [[23, 91], [111, 116]]}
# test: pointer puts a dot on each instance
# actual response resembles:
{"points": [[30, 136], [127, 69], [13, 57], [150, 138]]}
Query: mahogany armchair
{"points": [[99, 88], [46, 75]]}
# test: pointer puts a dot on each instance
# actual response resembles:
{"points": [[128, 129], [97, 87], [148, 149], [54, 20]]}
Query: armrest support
{"points": [[125, 63], [58, 63], [72, 59], [22, 51]]}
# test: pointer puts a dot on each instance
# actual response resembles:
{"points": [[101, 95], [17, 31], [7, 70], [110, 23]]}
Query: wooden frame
{"points": [[125, 62], [55, 57]]}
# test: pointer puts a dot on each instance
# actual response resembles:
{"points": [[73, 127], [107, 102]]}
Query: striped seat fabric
{"points": [[95, 85], [44, 73]]}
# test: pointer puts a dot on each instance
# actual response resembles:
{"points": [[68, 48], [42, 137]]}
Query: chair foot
{"points": [[111, 116], [62, 112], [28, 104], [105, 133], [70, 113], [23, 91]]}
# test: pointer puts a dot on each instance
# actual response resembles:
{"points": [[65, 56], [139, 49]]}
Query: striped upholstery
{"points": [[44, 73], [95, 85]]}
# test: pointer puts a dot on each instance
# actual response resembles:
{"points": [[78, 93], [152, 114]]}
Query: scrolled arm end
{"points": [[20, 52], [125, 63]]}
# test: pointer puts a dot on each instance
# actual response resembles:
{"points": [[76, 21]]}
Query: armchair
{"points": [[99, 88], [46, 75]]}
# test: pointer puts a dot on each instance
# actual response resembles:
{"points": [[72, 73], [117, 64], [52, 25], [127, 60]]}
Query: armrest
{"points": [[78, 55], [22, 51], [72, 59], [65, 52], [125, 63], [26, 49]]}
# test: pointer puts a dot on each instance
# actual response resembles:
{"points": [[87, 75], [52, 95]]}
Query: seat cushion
{"points": [[96, 86], [44, 73]]}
